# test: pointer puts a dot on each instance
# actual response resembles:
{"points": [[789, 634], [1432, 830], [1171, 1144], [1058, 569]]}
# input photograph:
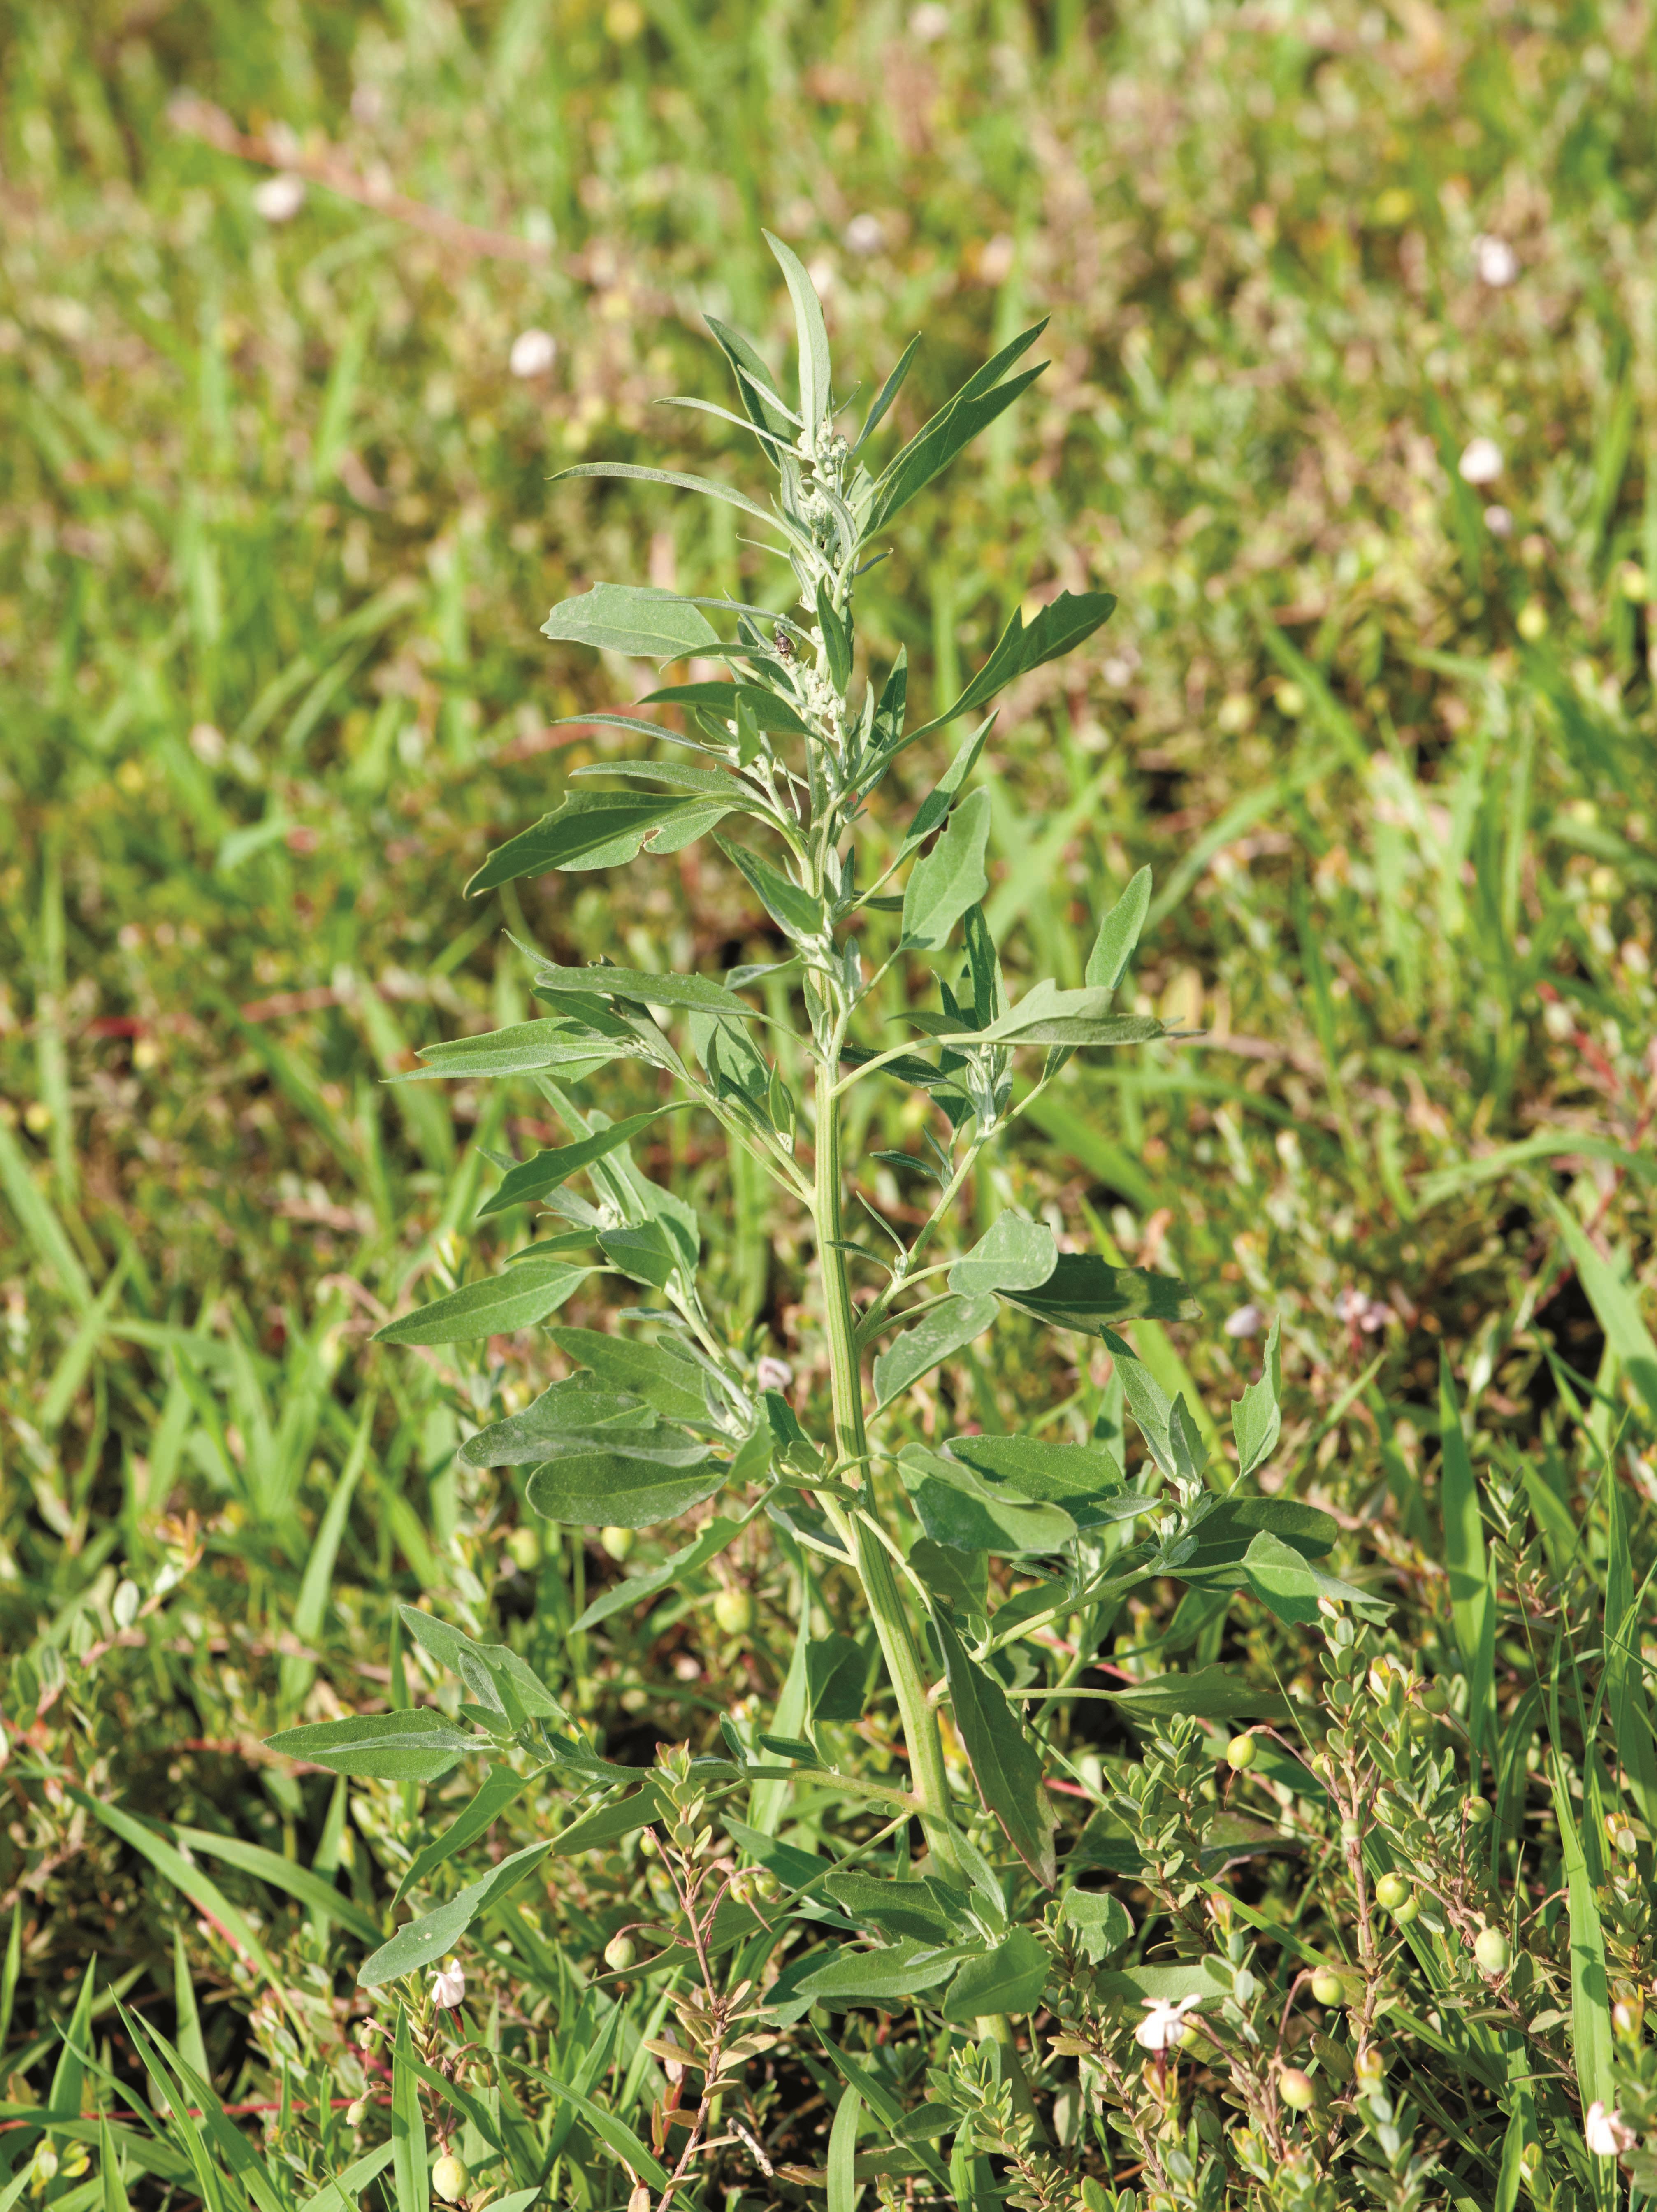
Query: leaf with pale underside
{"points": [[643, 623], [598, 830], [1007, 1766]]}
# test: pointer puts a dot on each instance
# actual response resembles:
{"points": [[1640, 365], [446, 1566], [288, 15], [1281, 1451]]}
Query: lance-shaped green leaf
{"points": [[794, 910], [1058, 628], [957, 1506], [943, 883], [836, 1677], [424, 1942], [722, 701], [956, 423], [960, 1578], [887, 394], [674, 1573], [1014, 1254], [1224, 1533], [1208, 1693], [1084, 1292], [571, 1408], [1289, 1585], [1118, 934], [709, 487], [1087, 1482], [890, 1978], [766, 407], [1005, 1764], [814, 366], [1046, 1015], [410, 1747], [1099, 1921], [920, 1911], [663, 1379], [523, 1049], [526, 1293], [598, 830], [1472, 1606], [496, 1677], [945, 792], [644, 1252], [1009, 1978], [1256, 1417], [533, 1178], [644, 624], [835, 629], [639, 987], [935, 1337], [501, 1788], [608, 1482]]}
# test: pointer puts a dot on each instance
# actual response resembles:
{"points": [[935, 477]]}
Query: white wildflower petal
{"points": [[533, 353], [279, 198], [448, 1985], [1495, 261], [1481, 463]]}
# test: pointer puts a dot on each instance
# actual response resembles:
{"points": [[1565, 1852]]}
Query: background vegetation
{"points": [[276, 542]]}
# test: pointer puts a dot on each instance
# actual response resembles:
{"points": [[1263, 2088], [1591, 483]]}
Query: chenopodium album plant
{"points": [[674, 1410]]}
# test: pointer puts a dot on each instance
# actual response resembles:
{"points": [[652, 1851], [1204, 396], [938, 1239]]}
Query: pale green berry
{"points": [[620, 1952], [1391, 1892], [1406, 1912], [734, 1611], [1478, 1810], [1241, 1753], [1296, 2089], [1492, 1951], [1328, 1986], [618, 1543], [524, 1547], [449, 2178]]}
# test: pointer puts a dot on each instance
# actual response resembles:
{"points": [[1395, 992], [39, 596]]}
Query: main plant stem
{"points": [[873, 1562]]}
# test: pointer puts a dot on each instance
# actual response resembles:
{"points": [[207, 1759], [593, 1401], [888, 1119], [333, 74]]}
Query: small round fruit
{"points": [[1479, 1811], [1296, 2089], [1435, 1697], [734, 1611], [524, 1547], [1492, 1951], [449, 2178], [1241, 1753], [1406, 1912], [1328, 1986], [1391, 1892], [620, 1952], [618, 1543]]}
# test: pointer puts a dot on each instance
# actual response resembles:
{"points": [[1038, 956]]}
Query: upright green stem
{"points": [[874, 1565]]}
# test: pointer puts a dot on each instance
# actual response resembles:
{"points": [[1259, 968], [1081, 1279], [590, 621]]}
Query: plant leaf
{"points": [[1256, 1417], [1473, 1609], [641, 622], [416, 1745], [890, 1978], [920, 1911], [426, 1940], [495, 1676], [1084, 1292], [887, 392], [1099, 1919], [956, 424], [1208, 1693], [639, 987], [1046, 1015], [1289, 1585], [526, 1293], [957, 1507], [722, 700], [800, 916], [522, 1049], [1005, 1764], [709, 486], [661, 1378], [1086, 1481], [940, 1332], [1009, 1978], [755, 382], [1058, 628], [598, 830], [843, 2191], [674, 1572], [814, 364], [837, 1678], [943, 883], [1014, 1254], [1118, 934], [597, 1483], [500, 1788], [942, 797], [533, 1178]]}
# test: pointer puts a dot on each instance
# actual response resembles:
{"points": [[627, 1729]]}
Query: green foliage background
{"points": [[276, 542]]}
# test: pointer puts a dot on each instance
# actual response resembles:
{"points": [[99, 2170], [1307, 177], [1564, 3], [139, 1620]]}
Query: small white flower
{"points": [[1495, 260], [533, 353], [928, 22], [448, 1985], [1163, 2023], [773, 1374], [1498, 520], [1605, 2133], [1481, 463], [865, 234], [279, 198], [1247, 1321]]}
